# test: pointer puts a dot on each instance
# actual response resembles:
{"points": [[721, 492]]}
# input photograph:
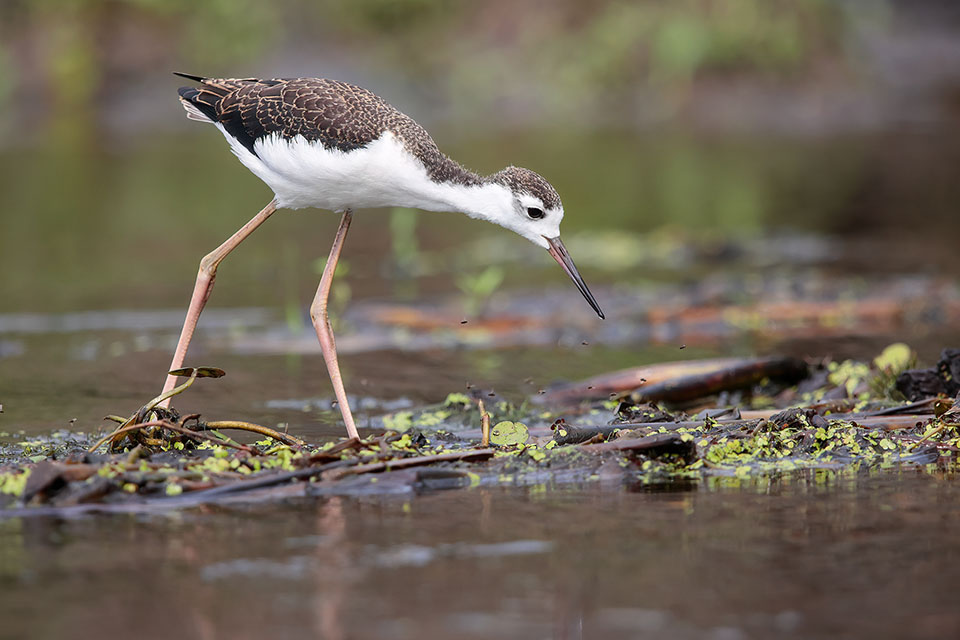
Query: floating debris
{"points": [[943, 379], [679, 381], [835, 414]]}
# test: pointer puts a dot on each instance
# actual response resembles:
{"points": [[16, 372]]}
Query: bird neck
{"points": [[483, 200], [451, 187]]}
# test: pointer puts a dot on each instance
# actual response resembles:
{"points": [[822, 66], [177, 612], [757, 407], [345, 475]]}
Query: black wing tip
{"points": [[189, 77]]}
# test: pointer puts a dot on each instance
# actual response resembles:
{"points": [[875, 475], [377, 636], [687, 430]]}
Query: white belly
{"points": [[304, 174]]}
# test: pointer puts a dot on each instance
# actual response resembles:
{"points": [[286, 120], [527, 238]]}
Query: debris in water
{"points": [[680, 381], [157, 459], [944, 378]]}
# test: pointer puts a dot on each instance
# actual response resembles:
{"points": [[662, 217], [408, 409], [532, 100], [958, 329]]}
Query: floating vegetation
{"points": [[740, 424]]}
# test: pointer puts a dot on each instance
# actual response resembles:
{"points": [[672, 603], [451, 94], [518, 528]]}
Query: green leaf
{"points": [[508, 433]]}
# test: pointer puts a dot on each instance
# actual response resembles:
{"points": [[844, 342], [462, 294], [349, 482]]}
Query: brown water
{"points": [[98, 264], [814, 555], [97, 267]]}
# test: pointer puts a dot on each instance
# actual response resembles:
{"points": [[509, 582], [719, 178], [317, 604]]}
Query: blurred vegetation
{"points": [[87, 228], [83, 75], [478, 287], [559, 58], [68, 50]]}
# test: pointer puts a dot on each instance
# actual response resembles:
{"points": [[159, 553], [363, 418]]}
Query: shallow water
{"points": [[812, 555], [97, 272]]}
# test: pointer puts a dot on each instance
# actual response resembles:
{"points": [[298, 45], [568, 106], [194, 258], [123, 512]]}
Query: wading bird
{"points": [[332, 145]]}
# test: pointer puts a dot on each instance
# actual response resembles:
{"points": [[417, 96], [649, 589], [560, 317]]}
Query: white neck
{"points": [[484, 201]]}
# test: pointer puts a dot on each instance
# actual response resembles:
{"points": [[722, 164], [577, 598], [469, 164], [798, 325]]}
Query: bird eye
{"points": [[534, 213]]}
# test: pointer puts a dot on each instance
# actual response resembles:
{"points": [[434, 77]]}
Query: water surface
{"points": [[812, 555], [101, 237], [98, 251]]}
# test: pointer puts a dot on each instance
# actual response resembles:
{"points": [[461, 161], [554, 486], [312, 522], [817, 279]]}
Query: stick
{"points": [[163, 424], [405, 463], [484, 424], [255, 428], [261, 482], [678, 381]]}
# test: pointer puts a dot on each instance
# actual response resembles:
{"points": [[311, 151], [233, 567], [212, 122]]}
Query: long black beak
{"points": [[559, 253]]}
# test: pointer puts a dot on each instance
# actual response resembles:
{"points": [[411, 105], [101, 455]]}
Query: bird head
{"points": [[534, 211]]}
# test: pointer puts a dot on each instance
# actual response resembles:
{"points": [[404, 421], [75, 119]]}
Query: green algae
{"points": [[792, 441], [507, 433], [400, 421], [12, 483]]}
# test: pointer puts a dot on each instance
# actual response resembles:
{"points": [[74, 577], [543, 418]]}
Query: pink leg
{"points": [[321, 322], [201, 291]]}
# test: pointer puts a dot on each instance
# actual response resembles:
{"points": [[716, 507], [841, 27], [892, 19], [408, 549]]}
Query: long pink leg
{"points": [[201, 291], [321, 322]]}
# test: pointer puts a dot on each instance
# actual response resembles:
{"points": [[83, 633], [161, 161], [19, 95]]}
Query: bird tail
{"points": [[189, 77], [193, 113], [198, 106], [205, 102]]}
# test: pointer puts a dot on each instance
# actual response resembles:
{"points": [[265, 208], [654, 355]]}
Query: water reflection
{"points": [[125, 227], [766, 557]]}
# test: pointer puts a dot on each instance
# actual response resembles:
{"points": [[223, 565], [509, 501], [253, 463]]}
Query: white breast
{"points": [[304, 174]]}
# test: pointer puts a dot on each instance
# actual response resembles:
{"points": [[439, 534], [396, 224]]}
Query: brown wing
{"points": [[336, 114]]}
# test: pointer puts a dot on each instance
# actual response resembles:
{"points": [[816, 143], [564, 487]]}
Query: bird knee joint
{"points": [[208, 265], [318, 311]]}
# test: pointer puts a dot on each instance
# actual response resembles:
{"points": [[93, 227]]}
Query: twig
{"points": [[255, 428], [484, 424], [566, 434], [261, 482], [904, 408], [147, 408], [163, 424], [935, 432], [349, 443], [678, 381], [404, 463], [192, 416], [125, 424], [645, 443]]}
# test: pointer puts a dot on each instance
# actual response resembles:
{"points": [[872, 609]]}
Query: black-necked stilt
{"points": [[332, 145]]}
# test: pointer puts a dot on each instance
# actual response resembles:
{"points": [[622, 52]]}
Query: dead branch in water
{"points": [[678, 381]]}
